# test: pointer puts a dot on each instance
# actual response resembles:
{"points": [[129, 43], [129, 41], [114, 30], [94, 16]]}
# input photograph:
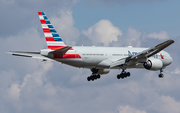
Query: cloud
{"points": [[128, 109], [19, 15], [177, 71], [114, 2], [64, 23], [161, 35], [131, 38], [102, 32], [166, 104]]}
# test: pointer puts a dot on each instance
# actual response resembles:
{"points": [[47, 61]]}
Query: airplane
{"points": [[100, 60]]}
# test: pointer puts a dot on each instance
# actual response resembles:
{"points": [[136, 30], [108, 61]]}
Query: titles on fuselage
{"points": [[135, 53]]}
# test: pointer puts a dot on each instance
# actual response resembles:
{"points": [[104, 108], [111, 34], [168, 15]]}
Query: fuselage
{"points": [[102, 57]]}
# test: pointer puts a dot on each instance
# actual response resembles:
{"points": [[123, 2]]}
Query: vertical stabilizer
{"points": [[53, 39]]}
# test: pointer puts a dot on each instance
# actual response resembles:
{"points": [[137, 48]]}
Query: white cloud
{"points": [[13, 91], [103, 32], [128, 109], [166, 104], [64, 24], [176, 71], [131, 38], [161, 35]]}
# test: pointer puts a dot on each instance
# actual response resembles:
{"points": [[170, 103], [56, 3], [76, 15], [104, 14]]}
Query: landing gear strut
{"points": [[94, 75], [161, 75], [123, 74]]}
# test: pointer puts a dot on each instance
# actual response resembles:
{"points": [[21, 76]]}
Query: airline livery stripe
{"points": [[54, 43], [58, 39], [48, 22], [53, 31], [45, 18], [39, 13], [48, 35], [41, 17], [50, 26], [50, 39], [43, 21], [46, 30], [55, 35], [57, 47], [67, 56], [44, 26]]}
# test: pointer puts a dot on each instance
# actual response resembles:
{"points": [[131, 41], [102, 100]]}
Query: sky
{"points": [[30, 85]]}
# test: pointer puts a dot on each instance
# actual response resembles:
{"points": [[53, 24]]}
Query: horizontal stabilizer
{"points": [[25, 52], [35, 55], [62, 50]]}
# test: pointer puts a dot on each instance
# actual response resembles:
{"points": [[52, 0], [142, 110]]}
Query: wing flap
{"points": [[119, 62]]}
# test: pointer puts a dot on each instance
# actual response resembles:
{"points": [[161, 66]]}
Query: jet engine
{"points": [[153, 64]]}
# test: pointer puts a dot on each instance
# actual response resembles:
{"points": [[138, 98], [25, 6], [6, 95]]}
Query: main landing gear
{"points": [[94, 75], [161, 75], [123, 75]]}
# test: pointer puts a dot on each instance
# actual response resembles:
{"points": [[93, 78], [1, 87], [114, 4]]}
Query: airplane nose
{"points": [[170, 60]]}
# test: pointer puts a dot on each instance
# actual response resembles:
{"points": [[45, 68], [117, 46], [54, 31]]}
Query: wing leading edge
{"points": [[142, 56]]}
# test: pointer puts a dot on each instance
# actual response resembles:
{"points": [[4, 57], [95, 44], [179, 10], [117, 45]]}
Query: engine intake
{"points": [[154, 64]]}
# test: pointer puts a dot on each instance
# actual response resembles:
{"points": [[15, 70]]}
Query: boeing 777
{"points": [[99, 59]]}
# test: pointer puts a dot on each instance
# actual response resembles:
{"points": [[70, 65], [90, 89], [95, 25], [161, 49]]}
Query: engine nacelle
{"points": [[153, 64], [100, 71], [103, 71]]}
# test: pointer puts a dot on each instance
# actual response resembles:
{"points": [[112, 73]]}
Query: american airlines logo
{"points": [[135, 53], [132, 53]]}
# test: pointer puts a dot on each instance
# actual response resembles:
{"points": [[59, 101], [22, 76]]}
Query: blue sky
{"points": [[146, 16], [29, 85]]}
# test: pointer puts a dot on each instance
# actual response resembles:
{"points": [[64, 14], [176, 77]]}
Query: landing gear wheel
{"points": [[98, 76], [88, 78], [123, 74], [161, 75], [118, 76], [93, 77], [128, 74]]}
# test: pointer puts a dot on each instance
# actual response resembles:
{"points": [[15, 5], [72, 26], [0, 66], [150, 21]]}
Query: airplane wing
{"points": [[142, 56], [35, 55]]}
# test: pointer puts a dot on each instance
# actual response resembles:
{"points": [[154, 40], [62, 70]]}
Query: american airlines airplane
{"points": [[99, 59]]}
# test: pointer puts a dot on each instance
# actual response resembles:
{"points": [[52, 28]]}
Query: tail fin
{"points": [[53, 39]]}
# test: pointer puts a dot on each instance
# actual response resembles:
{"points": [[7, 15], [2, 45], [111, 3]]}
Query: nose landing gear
{"points": [[161, 75]]}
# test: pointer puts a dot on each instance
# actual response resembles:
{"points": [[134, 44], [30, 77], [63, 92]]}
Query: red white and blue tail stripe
{"points": [[53, 39]]}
